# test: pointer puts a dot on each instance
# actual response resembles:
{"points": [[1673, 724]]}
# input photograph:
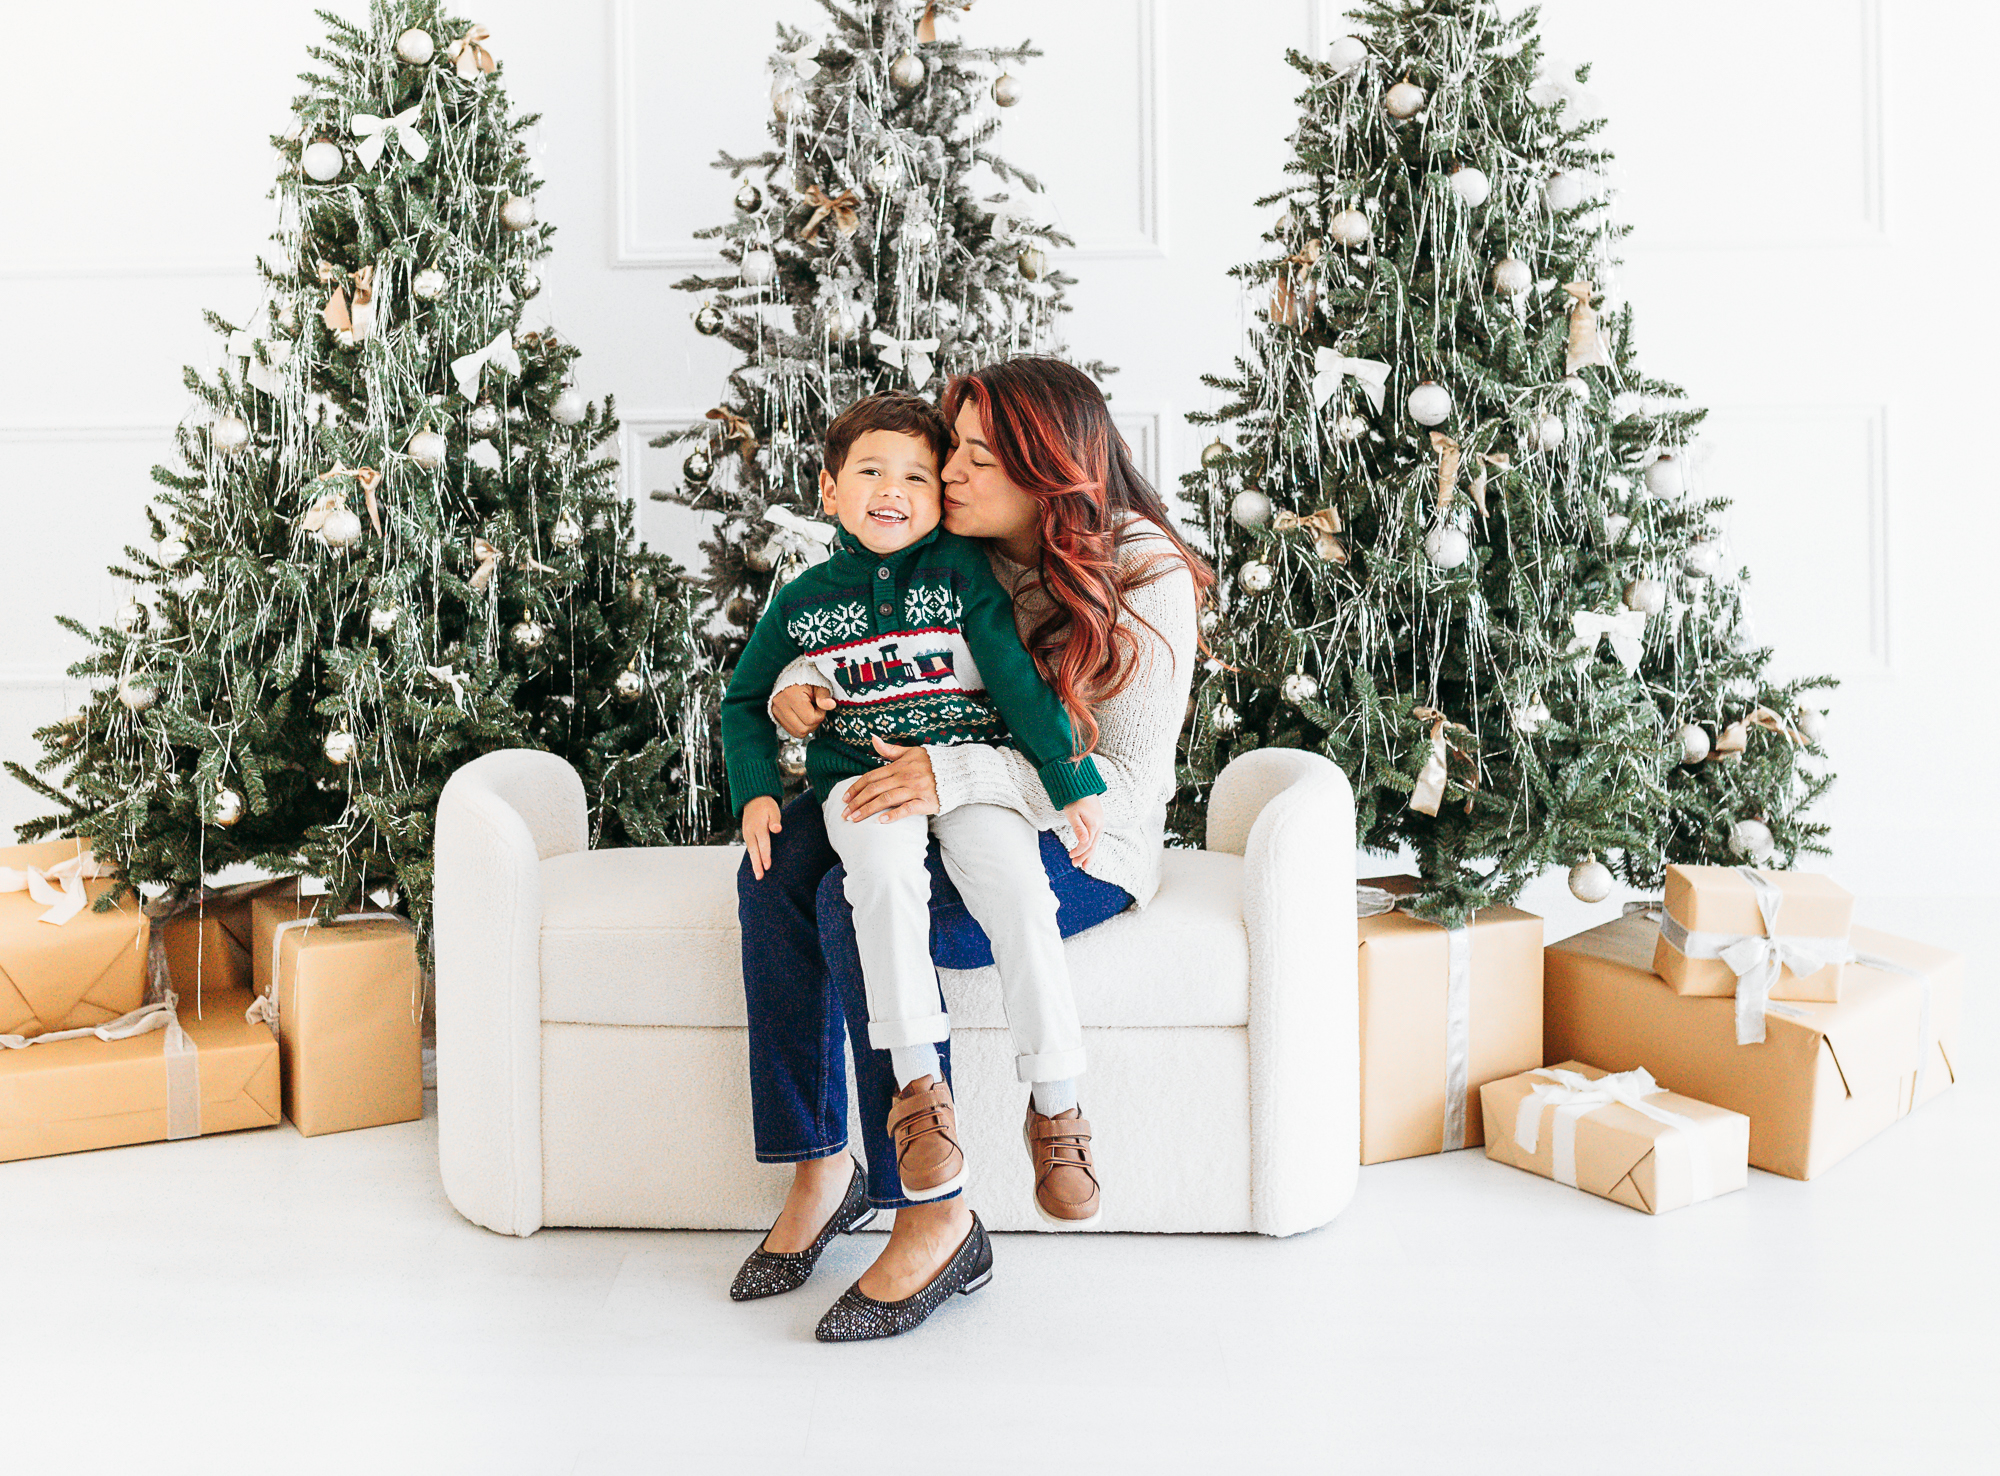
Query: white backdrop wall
{"points": [[1814, 232]]}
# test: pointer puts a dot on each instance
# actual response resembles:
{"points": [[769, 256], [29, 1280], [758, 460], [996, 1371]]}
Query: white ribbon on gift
{"points": [[467, 368], [1574, 1095], [791, 522], [374, 134], [265, 1007], [1757, 961], [58, 888], [911, 355], [1625, 629], [1330, 367], [1373, 902]]}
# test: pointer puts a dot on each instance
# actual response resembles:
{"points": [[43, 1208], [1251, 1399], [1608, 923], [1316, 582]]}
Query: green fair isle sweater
{"points": [[920, 647]]}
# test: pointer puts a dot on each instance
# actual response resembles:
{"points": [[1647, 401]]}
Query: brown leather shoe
{"points": [[925, 1128], [1066, 1191]]}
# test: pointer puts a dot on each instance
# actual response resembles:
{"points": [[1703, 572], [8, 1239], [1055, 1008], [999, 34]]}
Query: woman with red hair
{"points": [[1105, 595]]}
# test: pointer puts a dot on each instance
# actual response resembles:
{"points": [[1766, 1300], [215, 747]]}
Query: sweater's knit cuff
{"points": [[1069, 780], [750, 778]]}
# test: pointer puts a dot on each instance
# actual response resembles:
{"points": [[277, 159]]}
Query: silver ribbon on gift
{"points": [[1373, 902], [1574, 1095], [1757, 961]]}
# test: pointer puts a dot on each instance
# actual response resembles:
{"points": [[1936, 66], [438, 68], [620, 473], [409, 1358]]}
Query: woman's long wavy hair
{"points": [[1051, 431]]}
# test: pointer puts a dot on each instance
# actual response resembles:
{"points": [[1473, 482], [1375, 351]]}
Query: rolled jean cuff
{"points": [[886, 1035], [1050, 1065]]}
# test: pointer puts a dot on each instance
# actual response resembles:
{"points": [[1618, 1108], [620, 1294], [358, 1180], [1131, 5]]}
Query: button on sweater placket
{"points": [[887, 599]]}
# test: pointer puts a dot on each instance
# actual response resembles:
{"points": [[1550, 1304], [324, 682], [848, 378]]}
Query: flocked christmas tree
{"points": [[393, 542], [862, 257], [1462, 549]]}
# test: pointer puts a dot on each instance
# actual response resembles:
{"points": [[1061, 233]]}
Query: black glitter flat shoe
{"points": [[772, 1273], [856, 1318]]}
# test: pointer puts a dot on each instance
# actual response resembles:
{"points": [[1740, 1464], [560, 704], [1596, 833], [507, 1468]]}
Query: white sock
{"points": [[914, 1062], [1051, 1097]]}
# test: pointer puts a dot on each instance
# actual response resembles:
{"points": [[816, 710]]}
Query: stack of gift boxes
{"points": [[131, 1024], [1740, 1021]]}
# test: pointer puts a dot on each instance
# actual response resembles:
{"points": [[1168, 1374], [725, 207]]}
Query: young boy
{"points": [[917, 638]]}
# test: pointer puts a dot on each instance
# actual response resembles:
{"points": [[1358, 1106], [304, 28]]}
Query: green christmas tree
{"points": [[1462, 549], [861, 259], [394, 541]]}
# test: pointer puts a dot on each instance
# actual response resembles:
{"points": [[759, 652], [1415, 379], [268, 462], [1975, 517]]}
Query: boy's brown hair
{"points": [[897, 410]]}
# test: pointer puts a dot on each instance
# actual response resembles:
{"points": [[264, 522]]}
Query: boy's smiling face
{"points": [[886, 493]]}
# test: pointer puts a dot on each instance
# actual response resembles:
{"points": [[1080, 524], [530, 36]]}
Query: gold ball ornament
{"points": [[1215, 451], [568, 408], [1256, 577], [529, 636], [1590, 880], [1646, 595], [341, 530], [742, 610], [1752, 840], [340, 747], [517, 212], [136, 692], [1512, 276], [322, 160], [1006, 90], [427, 449], [415, 46], [628, 686], [787, 102], [228, 807], [843, 323], [1404, 100], [229, 433], [907, 72], [1695, 744], [1349, 228], [1033, 263]]}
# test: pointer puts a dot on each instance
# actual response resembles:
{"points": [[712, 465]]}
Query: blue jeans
{"points": [[803, 987]]}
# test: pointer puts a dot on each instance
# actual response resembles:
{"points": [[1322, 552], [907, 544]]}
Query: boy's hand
{"points": [[760, 822], [1086, 818]]}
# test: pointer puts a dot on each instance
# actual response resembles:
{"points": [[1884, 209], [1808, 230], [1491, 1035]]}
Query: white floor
{"points": [[265, 1303]]}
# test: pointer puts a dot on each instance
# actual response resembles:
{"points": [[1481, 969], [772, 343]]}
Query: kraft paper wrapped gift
{"points": [[86, 969], [1825, 1079], [1735, 930], [217, 1073], [1621, 1137], [347, 1018], [208, 946], [1443, 1012]]}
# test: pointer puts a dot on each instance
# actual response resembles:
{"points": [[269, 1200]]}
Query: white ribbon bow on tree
{"points": [[451, 679], [1575, 1095], [798, 63], [260, 373], [1330, 367], [791, 522], [374, 134], [58, 888], [467, 368], [1626, 630], [911, 355]]}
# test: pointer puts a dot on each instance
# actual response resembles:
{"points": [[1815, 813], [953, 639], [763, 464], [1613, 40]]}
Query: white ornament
{"points": [[1471, 185], [132, 617], [1403, 100], [529, 284], [1512, 277], [1550, 432], [382, 619], [1531, 716], [228, 807], [1576, 386], [1210, 622], [567, 408], [517, 212], [1250, 509], [1430, 404], [1615, 527], [428, 283], [1224, 718], [427, 449], [1447, 547], [322, 160], [1350, 428], [883, 173], [340, 747], [567, 533], [483, 419], [1298, 687], [628, 686], [136, 693], [759, 267], [1006, 90], [907, 72], [1647, 595], [843, 322], [229, 433], [1812, 723], [1564, 191], [1628, 405], [342, 529], [1346, 53], [1701, 560], [1752, 839], [1255, 577], [172, 551], [1348, 228], [415, 46], [1695, 744], [1590, 881], [1666, 476]]}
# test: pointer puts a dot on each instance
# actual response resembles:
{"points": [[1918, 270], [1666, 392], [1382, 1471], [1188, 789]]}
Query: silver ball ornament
{"points": [[1512, 276], [1550, 432], [229, 433], [792, 758], [322, 160], [340, 747], [708, 320], [1590, 881], [628, 686], [132, 617], [697, 468], [1695, 744], [1034, 263], [428, 284], [1006, 90], [1298, 688], [529, 635], [1752, 839], [1404, 100], [483, 419], [228, 807], [1811, 722], [528, 285], [136, 692], [1350, 428], [759, 268], [1430, 404], [382, 619], [1210, 622], [568, 407], [907, 72], [1255, 577], [427, 449], [1701, 560], [1471, 185], [567, 532], [749, 199], [1646, 595], [517, 212], [1447, 547], [415, 46], [1666, 477], [1348, 228], [1224, 718], [1250, 509], [341, 530]]}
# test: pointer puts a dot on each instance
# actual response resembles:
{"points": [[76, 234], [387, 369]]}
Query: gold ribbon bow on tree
{"points": [[736, 429], [844, 209], [1436, 773], [1734, 740], [354, 314], [927, 25], [1325, 525], [491, 558], [469, 56], [375, 132], [1586, 343], [1293, 296], [1448, 459], [1498, 459], [368, 478]]}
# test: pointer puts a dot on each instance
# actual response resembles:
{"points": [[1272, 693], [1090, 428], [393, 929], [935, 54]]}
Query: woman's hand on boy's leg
{"points": [[761, 820], [905, 786], [1086, 818], [801, 707]]}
